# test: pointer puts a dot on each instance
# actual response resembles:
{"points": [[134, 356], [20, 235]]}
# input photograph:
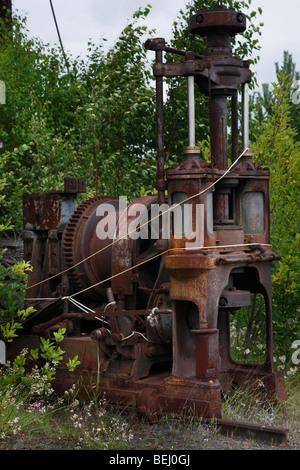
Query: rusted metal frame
{"points": [[65, 321], [42, 327], [51, 264], [189, 67], [153, 404], [263, 286], [113, 307], [226, 72], [249, 259], [218, 100], [156, 44], [115, 313], [206, 22], [48, 211], [34, 245], [217, 68]]}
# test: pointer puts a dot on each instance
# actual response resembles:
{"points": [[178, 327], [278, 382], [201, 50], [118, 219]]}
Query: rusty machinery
{"points": [[150, 318]]}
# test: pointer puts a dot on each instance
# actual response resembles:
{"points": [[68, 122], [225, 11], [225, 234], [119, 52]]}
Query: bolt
{"points": [[200, 18], [240, 17], [223, 302]]}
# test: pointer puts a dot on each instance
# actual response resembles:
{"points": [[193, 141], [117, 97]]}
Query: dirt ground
{"points": [[161, 437]]}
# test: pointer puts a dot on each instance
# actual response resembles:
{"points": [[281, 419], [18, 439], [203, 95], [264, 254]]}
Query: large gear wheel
{"points": [[90, 260], [76, 246]]}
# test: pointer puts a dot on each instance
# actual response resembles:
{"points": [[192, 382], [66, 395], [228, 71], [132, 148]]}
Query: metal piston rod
{"points": [[191, 110], [245, 103]]}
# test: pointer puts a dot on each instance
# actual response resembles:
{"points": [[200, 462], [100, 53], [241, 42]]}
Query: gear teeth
{"points": [[69, 240]]}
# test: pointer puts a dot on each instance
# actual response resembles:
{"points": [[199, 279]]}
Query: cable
{"points": [[58, 33]]}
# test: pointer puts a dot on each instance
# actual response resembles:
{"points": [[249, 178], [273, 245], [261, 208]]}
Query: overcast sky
{"points": [[80, 21]]}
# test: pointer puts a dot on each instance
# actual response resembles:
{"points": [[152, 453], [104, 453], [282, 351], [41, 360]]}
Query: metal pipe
{"points": [[234, 126], [245, 102], [218, 130], [160, 132], [155, 44], [191, 111]]}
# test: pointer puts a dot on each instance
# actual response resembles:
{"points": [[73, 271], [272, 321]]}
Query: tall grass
{"points": [[31, 412], [34, 413], [248, 405]]}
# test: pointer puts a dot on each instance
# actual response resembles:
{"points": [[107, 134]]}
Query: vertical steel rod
{"points": [[234, 126], [160, 183], [160, 132], [245, 101], [191, 111]]}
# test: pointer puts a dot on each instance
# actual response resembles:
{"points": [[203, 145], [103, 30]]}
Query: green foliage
{"points": [[93, 120], [248, 332], [40, 101], [64, 423], [116, 119], [263, 103], [12, 287], [13, 280], [30, 375], [8, 329], [73, 363]]}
